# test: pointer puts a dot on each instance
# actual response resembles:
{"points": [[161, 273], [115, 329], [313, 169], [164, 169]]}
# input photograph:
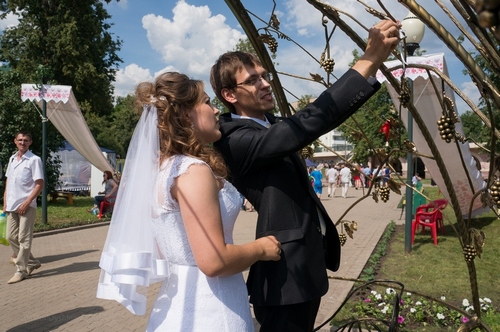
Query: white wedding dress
{"points": [[189, 300]]}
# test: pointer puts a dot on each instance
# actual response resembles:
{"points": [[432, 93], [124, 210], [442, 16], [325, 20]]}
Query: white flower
{"points": [[443, 298], [378, 297], [381, 304], [374, 292], [465, 303], [487, 300], [413, 310], [469, 308], [384, 311], [481, 300], [485, 307], [389, 291], [408, 293], [418, 303], [440, 316]]}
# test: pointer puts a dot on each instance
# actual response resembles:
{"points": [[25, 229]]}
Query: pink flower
{"points": [[367, 300], [465, 319], [400, 319]]}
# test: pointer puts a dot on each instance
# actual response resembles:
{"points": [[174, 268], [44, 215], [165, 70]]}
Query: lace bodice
{"points": [[169, 228], [188, 300]]}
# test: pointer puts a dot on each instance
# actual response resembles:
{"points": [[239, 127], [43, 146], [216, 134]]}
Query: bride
{"points": [[174, 218]]}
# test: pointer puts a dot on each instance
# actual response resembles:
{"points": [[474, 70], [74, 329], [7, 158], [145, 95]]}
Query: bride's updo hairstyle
{"points": [[174, 95]]}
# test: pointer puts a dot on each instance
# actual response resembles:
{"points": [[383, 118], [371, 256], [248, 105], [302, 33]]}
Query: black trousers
{"points": [[298, 317]]}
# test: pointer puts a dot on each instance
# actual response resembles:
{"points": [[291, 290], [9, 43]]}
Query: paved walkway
{"points": [[60, 296]]}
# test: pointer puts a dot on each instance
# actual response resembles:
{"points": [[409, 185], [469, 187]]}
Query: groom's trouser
{"points": [[298, 317]]}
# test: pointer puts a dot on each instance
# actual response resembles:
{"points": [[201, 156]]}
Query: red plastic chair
{"points": [[426, 219], [438, 204], [106, 206]]}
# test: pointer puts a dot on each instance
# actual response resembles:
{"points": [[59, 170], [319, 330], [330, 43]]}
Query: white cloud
{"points": [[128, 78], [123, 4], [471, 91], [192, 40], [9, 21]]}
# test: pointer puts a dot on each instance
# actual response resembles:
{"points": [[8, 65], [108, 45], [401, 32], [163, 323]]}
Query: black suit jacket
{"points": [[266, 169]]}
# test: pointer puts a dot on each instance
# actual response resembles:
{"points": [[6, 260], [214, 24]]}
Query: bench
{"points": [[62, 194]]}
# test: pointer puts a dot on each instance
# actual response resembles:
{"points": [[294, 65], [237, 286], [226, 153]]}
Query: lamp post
{"points": [[414, 30]]}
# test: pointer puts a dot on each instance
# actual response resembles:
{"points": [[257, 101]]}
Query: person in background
{"points": [[264, 166], [367, 171], [23, 184], [345, 179], [318, 181], [185, 217], [386, 175], [357, 177], [109, 193], [332, 176]]}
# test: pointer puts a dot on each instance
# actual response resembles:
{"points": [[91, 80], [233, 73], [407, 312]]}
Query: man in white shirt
{"points": [[23, 184], [332, 175], [345, 179]]}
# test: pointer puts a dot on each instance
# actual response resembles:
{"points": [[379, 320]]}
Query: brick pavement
{"points": [[60, 296]]}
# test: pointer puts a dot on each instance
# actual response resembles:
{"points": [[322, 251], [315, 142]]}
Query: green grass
{"points": [[62, 215], [435, 271]]}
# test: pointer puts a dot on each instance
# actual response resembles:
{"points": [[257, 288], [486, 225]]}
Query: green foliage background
{"points": [[71, 41]]}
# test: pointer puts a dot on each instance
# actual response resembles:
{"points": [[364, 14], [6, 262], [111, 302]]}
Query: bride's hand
{"points": [[271, 248]]}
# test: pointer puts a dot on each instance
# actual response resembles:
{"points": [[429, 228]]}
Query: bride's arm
{"points": [[197, 193]]}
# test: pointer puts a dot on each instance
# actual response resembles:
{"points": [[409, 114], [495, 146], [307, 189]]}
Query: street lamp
{"points": [[414, 30]]}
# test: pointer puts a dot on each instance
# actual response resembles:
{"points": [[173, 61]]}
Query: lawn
{"points": [[435, 278], [62, 215]]}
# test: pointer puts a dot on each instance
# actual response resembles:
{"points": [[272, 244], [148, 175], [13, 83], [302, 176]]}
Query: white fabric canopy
{"points": [[428, 106], [64, 113]]}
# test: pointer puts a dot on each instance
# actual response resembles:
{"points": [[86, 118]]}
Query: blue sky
{"points": [[188, 36]]}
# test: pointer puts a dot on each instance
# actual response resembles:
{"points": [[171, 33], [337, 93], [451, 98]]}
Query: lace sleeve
{"points": [[171, 169]]}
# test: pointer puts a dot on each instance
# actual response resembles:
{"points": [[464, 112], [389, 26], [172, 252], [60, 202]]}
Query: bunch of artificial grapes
{"points": [[446, 128], [384, 194], [495, 191], [488, 15], [342, 238], [273, 44], [328, 65], [469, 252]]}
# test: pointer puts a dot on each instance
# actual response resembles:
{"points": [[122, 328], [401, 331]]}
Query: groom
{"points": [[265, 168]]}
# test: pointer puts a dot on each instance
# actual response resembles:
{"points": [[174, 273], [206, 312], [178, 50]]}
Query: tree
{"points": [[70, 39], [122, 126], [17, 116], [473, 127], [304, 101]]}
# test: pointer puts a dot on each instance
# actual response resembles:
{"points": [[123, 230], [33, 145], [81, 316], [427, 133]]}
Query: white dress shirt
{"points": [[21, 176]]}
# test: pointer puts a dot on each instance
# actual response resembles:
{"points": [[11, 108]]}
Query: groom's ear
{"points": [[229, 95]]}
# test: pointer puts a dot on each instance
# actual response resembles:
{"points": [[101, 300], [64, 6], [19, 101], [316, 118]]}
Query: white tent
{"points": [[76, 171], [429, 108], [64, 113]]}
